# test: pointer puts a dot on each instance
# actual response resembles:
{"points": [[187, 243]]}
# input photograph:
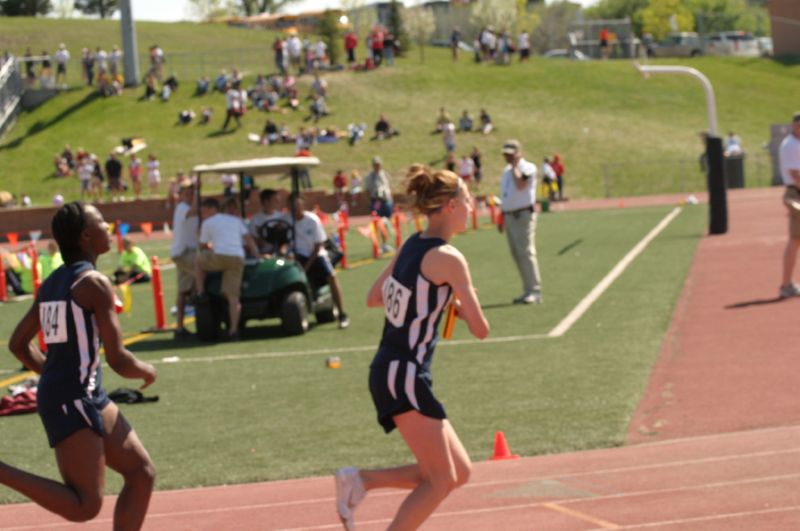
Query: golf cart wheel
{"points": [[328, 315], [208, 318], [294, 314]]}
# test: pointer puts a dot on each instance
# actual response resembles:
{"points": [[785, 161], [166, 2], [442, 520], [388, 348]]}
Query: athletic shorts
{"points": [[399, 387], [319, 271], [382, 207], [791, 198], [232, 268], [63, 417], [184, 265]]}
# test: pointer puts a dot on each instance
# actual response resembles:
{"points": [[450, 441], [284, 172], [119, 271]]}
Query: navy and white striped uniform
{"points": [[400, 376], [70, 395]]}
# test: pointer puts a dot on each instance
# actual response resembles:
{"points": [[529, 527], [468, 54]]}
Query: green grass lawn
{"points": [[594, 113], [276, 412]]}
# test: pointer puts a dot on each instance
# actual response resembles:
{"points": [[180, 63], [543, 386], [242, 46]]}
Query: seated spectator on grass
{"points": [[309, 243], [486, 122], [383, 129], [355, 132], [202, 86], [69, 157], [221, 83], [205, 117], [62, 169], [134, 265], [465, 122], [319, 87], [185, 117], [222, 239], [441, 120], [270, 135], [284, 134]]}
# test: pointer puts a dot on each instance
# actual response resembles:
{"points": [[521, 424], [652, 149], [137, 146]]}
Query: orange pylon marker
{"points": [[501, 450]]}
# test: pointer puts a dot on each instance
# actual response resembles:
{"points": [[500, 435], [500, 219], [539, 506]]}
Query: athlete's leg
{"points": [[126, 455], [81, 463], [429, 440]]}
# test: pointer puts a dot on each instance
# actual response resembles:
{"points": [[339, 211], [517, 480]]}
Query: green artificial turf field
{"points": [[267, 407]]}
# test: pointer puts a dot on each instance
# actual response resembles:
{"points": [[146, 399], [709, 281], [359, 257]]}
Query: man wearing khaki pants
{"points": [[789, 156], [518, 189]]}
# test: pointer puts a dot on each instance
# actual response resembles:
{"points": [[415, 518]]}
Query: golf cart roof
{"points": [[265, 166]]}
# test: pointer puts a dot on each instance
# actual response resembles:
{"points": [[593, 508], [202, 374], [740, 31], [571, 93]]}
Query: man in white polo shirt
{"points": [[184, 249], [518, 189], [221, 249], [789, 156], [309, 248]]}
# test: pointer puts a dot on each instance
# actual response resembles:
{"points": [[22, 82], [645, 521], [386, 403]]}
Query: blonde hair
{"points": [[428, 189]]}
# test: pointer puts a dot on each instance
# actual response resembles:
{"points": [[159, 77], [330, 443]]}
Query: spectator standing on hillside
{"points": [[46, 73], [455, 40], [279, 50], [377, 44], [97, 178], [476, 157], [101, 59], [524, 45], [153, 174], [466, 168], [85, 172], [235, 101], [114, 59], [87, 62], [62, 58], [549, 180], [135, 174], [389, 44], [157, 60], [789, 158], [320, 54], [350, 44], [449, 136], [294, 48], [605, 48], [114, 173], [184, 249], [30, 68], [518, 193]]}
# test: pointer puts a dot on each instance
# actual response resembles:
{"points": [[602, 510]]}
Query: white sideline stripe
{"points": [[572, 500], [618, 269]]}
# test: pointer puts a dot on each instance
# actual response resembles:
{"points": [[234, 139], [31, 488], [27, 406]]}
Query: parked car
{"points": [[679, 44], [738, 43], [561, 53], [765, 46]]}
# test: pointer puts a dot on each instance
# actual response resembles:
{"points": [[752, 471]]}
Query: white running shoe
{"points": [[790, 290], [349, 493]]}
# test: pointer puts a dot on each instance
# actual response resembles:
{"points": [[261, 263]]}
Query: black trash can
{"points": [[734, 171]]}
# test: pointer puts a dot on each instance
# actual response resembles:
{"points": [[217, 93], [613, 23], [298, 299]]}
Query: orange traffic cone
{"points": [[501, 450]]}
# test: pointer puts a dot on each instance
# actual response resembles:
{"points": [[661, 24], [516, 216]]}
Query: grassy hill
{"points": [[605, 120]]}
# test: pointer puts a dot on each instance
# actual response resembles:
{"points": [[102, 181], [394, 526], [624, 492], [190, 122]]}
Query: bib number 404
{"points": [[53, 320]]}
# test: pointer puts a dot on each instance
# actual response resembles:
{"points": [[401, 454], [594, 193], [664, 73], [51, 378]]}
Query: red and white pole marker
{"points": [[492, 211], [118, 233], [343, 245], [474, 214], [418, 222], [376, 252], [36, 283], [3, 286], [158, 295], [398, 236]]}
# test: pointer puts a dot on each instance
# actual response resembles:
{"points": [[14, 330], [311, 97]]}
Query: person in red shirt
{"points": [[604, 47], [339, 185], [350, 43], [558, 166], [377, 45]]}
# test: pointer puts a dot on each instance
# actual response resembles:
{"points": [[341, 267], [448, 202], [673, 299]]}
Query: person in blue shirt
{"points": [[75, 310], [415, 289]]}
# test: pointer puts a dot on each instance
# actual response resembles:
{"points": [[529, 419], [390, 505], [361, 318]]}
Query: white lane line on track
{"points": [[584, 305], [504, 508]]}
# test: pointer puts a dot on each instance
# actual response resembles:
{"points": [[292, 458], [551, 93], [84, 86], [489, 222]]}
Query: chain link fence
{"points": [[648, 177], [11, 90]]}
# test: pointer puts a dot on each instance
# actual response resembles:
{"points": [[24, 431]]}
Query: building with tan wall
{"points": [[785, 18]]}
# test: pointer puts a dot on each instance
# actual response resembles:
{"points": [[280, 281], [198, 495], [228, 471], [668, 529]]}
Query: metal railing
{"points": [[11, 89]]}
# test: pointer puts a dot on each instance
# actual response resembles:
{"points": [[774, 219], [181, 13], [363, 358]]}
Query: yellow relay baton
{"points": [[450, 321]]}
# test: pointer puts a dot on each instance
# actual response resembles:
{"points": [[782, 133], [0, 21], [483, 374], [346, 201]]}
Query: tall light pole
{"points": [[717, 195], [130, 53]]}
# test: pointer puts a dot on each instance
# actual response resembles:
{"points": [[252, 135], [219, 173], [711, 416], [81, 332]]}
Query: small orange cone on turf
{"points": [[501, 450]]}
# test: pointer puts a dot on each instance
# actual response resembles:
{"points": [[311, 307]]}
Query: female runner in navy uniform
{"points": [[414, 291], [75, 310]]}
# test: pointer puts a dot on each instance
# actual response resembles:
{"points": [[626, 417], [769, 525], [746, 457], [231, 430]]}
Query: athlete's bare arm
{"points": [[375, 293], [446, 265], [94, 292], [20, 343]]}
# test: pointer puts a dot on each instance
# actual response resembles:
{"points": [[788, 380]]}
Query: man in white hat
{"points": [[62, 58], [378, 187], [518, 192]]}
